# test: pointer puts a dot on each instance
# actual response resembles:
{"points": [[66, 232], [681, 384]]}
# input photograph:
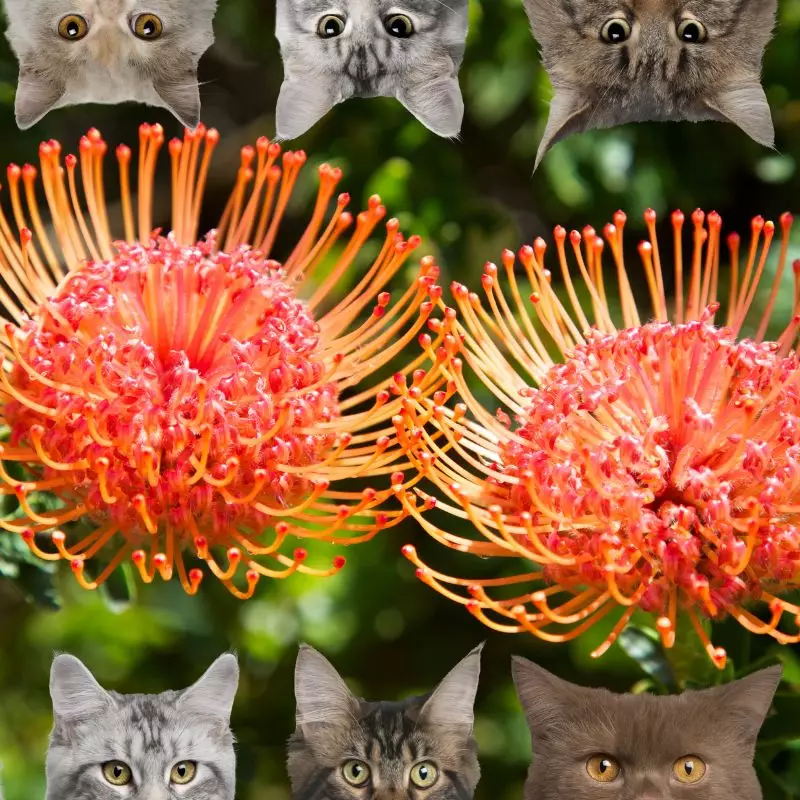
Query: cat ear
{"points": [[542, 694], [302, 103], [74, 691], [453, 700], [320, 692], [747, 108], [213, 694], [181, 95], [437, 104], [747, 702], [569, 112], [37, 93]]}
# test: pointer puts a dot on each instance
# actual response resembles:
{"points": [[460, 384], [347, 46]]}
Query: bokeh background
{"points": [[387, 633]]}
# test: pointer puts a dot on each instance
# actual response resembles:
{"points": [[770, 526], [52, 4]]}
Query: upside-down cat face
{"points": [[617, 61], [109, 51], [337, 49]]}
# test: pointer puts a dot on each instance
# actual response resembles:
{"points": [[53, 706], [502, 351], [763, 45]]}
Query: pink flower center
{"points": [[664, 456], [176, 387]]}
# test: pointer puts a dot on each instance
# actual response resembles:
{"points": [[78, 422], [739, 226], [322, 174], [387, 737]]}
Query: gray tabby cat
{"points": [[591, 744], [337, 49], [108, 51], [345, 747], [106, 746], [613, 62]]}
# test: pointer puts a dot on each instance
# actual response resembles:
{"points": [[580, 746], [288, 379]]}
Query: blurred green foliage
{"points": [[470, 199]]}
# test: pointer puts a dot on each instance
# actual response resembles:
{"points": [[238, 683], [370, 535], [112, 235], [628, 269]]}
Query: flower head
{"points": [[179, 397], [651, 465]]}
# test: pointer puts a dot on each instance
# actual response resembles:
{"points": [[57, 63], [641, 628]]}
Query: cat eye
{"points": [[73, 27], [399, 25], [603, 769], [424, 774], [330, 26], [616, 30], [117, 773], [147, 26], [356, 773], [183, 772], [689, 769], [692, 31]]}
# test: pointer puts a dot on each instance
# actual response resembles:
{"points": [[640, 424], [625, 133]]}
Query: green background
{"points": [[387, 633]]}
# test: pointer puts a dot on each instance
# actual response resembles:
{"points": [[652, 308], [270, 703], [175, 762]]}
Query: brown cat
{"points": [[592, 744], [346, 748], [613, 62]]}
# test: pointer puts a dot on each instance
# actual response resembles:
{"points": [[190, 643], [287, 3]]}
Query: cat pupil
{"points": [[72, 29], [691, 33], [616, 32]]}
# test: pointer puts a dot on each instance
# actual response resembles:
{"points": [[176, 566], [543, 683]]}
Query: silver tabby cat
{"points": [[107, 746], [337, 49], [613, 62], [108, 51]]}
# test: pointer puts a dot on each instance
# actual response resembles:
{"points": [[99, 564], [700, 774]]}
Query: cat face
{"points": [[617, 61], [172, 746], [337, 49], [346, 748], [108, 51], [591, 744]]}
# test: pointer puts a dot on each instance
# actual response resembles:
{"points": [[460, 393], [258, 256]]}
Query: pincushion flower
{"points": [[182, 399], [636, 464]]}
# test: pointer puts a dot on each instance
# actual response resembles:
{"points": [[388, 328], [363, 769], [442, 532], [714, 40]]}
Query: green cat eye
{"points": [[183, 772], [399, 25], [616, 30], [330, 26], [117, 773], [692, 31], [424, 774], [355, 772]]}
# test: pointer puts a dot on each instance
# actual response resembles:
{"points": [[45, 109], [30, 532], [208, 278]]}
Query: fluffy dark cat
{"points": [[345, 747], [614, 62], [592, 744]]}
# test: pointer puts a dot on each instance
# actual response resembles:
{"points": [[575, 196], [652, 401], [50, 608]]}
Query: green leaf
{"points": [[120, 590], [645, 648], [773, 786], [784, 725]]}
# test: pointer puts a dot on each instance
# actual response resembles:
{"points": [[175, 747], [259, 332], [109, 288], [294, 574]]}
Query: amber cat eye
{"points": [[147, 26], [73, 27], [603, 769], [689, 769]]}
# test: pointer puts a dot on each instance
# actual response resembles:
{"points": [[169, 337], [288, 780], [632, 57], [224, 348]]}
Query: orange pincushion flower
{"points": [[179, 397], [656, 466]]}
